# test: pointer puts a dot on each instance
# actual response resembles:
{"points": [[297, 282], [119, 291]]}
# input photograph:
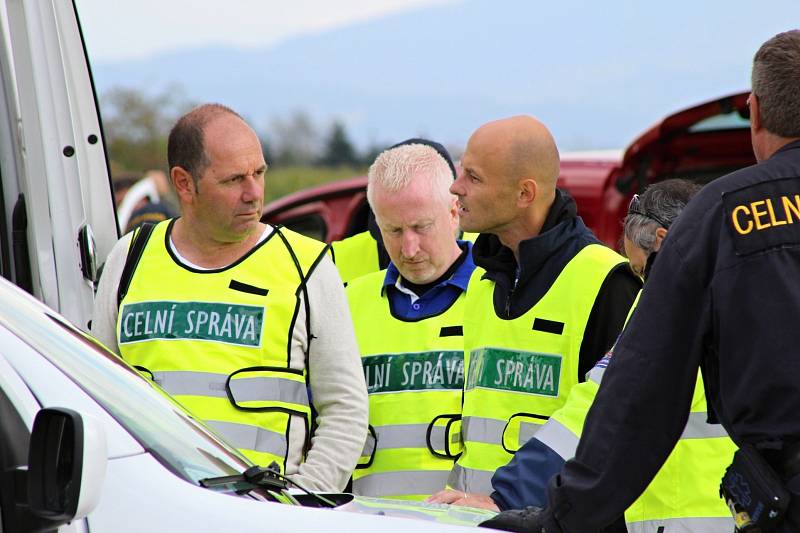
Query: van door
{"points": [[58, 216]]}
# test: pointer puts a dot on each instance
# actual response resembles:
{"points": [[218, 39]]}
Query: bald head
{"points": [[508, 179], [518, 147]]}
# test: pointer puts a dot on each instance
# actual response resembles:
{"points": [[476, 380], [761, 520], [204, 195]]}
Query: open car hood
{"points": [[702, 143]]}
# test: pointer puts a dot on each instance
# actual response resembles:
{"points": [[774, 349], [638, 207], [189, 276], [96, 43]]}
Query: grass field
{"points": [[283, 181]]}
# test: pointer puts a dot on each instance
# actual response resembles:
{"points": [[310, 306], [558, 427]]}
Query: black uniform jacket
{"points": [[724, 293], [542, 258]]}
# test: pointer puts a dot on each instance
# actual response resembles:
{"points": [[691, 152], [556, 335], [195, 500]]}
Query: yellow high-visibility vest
{"points": [[684, 495], [219, 341], [520, 371], [356, 256], [415, 376]]}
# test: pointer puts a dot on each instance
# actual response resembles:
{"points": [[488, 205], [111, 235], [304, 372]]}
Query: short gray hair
{"points": [[775, 81], [394, 168], [186, 141], [661, 202]]}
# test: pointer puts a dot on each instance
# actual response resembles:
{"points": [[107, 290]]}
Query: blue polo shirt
{"points": [[437, 299]]}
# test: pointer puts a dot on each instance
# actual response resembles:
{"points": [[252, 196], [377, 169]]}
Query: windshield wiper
{"points": [[254, 477], [258, 477]]}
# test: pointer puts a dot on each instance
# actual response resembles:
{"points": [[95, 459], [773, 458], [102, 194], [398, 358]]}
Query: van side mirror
{"points": [[66, 465]]}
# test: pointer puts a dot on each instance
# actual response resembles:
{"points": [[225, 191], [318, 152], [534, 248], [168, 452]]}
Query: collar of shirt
{"points": [[460, 277], [408, 305]]}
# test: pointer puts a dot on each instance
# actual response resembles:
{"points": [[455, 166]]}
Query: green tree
{"points": [[339, 150], [372, 152], [136, 126], [292, 141]]}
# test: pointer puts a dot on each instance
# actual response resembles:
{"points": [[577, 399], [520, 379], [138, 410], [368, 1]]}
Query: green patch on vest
{"points": [[218, 322], [513, 370], [438, 370]]}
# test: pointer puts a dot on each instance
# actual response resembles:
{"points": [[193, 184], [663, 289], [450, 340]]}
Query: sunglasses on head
{"points": [[635, 208]]}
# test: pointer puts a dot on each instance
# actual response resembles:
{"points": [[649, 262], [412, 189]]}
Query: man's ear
{"points": [[755, 113], [184, 184], [454, 211], [660, 234], [528, 188]]}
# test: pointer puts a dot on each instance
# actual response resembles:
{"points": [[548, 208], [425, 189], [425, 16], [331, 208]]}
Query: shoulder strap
{"points": [[310, 336], [135, 251], [302, 288]]}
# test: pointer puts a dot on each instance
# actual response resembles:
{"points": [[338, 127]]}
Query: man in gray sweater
{"points": [[221, 311]]}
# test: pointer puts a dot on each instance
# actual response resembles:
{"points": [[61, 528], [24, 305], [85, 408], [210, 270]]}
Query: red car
{"points": [[700, 143]]}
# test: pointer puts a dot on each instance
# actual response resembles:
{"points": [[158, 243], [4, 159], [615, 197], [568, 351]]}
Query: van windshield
{"points": [[160, 425]]}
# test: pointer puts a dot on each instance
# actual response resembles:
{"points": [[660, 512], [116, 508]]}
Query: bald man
{"points": [[547, 301]]}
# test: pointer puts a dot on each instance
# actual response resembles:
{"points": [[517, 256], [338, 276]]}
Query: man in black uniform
{"points": [[724, 295]]}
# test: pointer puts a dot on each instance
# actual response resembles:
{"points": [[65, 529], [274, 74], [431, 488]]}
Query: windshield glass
{"points": [[726, 121], [160, 425]]}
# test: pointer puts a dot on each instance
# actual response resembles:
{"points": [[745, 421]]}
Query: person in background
{"points": [[142, 199], [154, 210]]}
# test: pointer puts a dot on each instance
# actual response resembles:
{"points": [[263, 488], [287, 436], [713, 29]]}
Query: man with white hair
{"points": [[408, 322]]}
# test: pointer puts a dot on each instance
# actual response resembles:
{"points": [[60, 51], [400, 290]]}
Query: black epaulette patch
{"points": [[245, 287], [548, 326], [763, 216], [451, 331]]}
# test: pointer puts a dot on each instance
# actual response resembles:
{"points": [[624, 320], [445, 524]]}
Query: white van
{"points": [[58, 215], [86, 443], [85, 439]]}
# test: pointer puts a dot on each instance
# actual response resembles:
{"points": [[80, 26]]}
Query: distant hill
{"points": [[597, 72]]}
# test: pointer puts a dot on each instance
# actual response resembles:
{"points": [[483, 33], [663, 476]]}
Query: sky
{"points": [[150, 27], [597, 73]]}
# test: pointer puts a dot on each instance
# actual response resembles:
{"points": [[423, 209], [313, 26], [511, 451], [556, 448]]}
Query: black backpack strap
{"points": [[140, 238]]}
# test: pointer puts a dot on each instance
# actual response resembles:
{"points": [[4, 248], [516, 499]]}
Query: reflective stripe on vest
{"points": [[356, 256], [479, 481], [595, 375], [244, 435], [686, 488], [215, 337], [524, 367], [697, 427], [185, 382], [490, 431], [405, 436], [415, 376], [559, 438], [526, 432], [485, 430]]}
